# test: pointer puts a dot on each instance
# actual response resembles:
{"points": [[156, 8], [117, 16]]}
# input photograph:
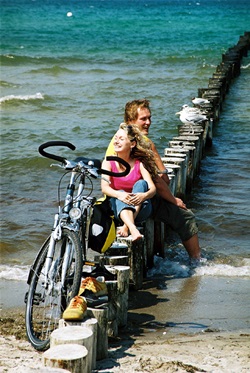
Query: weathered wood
{"points": [[101, 315], [149, 243], [159, 239], [75, 335], [136, 260], [89, 323], [72, 357]]}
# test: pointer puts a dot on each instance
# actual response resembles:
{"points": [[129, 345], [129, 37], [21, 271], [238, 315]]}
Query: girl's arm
{"points": [[107, 189], [151, 186]]}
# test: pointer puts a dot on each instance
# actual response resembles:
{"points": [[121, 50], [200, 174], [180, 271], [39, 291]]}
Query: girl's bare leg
{"points": [[127, 217]]}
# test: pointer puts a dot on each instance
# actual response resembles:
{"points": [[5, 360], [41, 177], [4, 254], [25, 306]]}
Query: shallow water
{"points": [[69, 78]]}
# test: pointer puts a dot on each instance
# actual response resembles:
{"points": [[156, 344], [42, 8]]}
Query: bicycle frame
{"points": [[64, 220]]}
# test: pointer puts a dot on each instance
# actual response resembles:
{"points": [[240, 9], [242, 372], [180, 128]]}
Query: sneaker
{"points": [[76, 309], [96, 302], [91, 285]]}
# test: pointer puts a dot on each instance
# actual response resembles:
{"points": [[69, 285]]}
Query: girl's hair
{"points": [[142, 151]]}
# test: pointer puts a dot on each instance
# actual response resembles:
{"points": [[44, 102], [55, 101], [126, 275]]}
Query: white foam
{"points": [[16, 273], [223, 270], [178, 269], [163, 266], [37, 96]]}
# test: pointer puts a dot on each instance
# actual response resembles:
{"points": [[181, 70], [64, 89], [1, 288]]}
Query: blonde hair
{"points": [[142, 150], [131, 109]]}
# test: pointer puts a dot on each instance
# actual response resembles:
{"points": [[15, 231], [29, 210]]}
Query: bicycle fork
{"points": [[52, 263]]}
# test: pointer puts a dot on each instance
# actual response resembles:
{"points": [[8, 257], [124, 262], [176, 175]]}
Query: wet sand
{"points": [[197, 324]]}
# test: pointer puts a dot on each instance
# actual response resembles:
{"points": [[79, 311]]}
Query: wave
{"points": [[181, 269], [16, 273], [5, 84], [16, 60], [37, 96], [162, 266]]}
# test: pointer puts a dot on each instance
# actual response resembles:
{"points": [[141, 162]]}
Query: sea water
{"points": [[67, 70]]}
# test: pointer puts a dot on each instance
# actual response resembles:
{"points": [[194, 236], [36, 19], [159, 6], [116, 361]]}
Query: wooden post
{"points": [[101, 315], [75, 335], [72, 357], [136, 260], [148, 245], [89, 323]]}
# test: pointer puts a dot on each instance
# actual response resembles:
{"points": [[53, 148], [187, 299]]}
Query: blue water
{"points": [[68, 76]]}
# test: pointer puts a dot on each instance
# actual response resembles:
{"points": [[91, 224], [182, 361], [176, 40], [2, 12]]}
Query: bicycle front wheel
{"points": [[48, 297]]}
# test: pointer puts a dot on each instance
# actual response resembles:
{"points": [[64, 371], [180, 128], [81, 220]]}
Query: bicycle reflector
{"points": [[75, 213]]}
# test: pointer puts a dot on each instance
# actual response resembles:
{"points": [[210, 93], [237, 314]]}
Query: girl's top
{"points": [[125, 183]]}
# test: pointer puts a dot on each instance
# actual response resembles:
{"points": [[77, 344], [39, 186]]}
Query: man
{"points": [[167, 208]]}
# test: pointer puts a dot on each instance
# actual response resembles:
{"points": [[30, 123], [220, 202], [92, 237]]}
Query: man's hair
{"points": [[131, 109]]}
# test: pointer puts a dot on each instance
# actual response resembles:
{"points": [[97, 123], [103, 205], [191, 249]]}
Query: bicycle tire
{"points": [[44, 306]]}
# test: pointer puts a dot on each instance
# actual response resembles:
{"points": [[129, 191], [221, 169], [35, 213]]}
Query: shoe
{"points": [[91, 285], [76, 309], [96, 302], [101, 270]]}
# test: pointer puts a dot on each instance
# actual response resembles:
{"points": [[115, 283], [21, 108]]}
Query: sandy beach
{"points": [[212, 352], [184, 326]]}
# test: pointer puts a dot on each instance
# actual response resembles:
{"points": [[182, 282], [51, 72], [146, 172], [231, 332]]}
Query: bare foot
{"points": [[136, 235], [122, 231]]}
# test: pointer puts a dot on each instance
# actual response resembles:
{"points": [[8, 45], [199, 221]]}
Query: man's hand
{"points": [[180, 203]]}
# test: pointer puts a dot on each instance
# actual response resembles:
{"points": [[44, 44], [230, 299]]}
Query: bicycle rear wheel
{"points": [[46, 300]]}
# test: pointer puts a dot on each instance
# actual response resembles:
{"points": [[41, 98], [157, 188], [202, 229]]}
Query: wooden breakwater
{"points": [[77, 346]]}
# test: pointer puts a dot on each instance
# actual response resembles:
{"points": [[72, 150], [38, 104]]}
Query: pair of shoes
{"points": [[93, 286], [76, 309]]}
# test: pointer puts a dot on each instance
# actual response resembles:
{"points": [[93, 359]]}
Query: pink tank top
{"points": [[125, 182]]}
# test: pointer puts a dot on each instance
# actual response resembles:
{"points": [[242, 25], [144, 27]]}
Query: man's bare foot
{"points": [[122, 231]]}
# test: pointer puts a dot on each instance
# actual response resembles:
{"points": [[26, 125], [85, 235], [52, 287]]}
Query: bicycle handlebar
{"points": [[55, 143], [72, 147]]}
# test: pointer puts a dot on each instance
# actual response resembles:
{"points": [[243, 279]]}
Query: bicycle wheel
{"points": [[46, 300]]}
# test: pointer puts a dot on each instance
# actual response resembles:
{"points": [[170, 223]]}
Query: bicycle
{"points": [[55, 275]]}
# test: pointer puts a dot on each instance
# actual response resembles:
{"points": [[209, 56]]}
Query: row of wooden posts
{"points": [[77, 346]]}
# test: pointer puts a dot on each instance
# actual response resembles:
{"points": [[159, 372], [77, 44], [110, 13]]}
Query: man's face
{"points": [[144, 120]]}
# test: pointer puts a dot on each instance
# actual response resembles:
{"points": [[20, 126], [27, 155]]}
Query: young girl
{"points": [[130, 195]]}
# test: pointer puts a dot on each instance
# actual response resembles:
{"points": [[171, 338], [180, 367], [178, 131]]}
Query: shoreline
{"points": [[213, 352], [196, 324]]}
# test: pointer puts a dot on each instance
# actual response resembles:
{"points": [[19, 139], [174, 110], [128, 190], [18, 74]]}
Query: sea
{"points": [[67, 69]]}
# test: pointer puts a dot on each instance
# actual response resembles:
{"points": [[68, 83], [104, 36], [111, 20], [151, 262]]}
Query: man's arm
{"points": [[159, 163], [163, 190]]}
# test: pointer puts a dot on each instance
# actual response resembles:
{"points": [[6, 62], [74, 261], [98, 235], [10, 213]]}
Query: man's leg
{"points": [[181, 221], [192, 246]]}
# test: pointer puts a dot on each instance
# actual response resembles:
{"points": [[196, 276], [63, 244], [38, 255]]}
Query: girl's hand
{"points": [[136, 198], [124, 197]]}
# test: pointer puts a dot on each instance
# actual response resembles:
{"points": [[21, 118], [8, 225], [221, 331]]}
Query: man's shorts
{"points": [[181, 221]]}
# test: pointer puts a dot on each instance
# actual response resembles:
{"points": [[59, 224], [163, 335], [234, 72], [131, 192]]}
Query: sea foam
{"points": [[37, 96], [16, 273]]}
